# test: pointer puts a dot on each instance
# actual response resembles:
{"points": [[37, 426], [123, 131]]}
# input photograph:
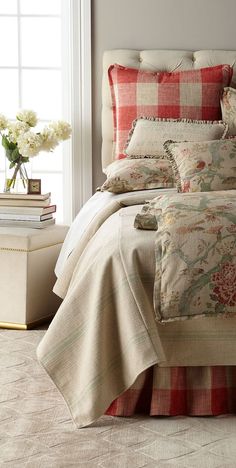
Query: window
{"points": [[38, 68]]}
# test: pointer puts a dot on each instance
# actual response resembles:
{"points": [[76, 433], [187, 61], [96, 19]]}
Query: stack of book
{"points": [[33, 211]]}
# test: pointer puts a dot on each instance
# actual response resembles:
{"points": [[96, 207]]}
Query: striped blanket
{"points": [[105, 334]]}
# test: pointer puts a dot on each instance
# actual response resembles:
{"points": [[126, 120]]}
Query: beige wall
{"points": [[154, 24]]}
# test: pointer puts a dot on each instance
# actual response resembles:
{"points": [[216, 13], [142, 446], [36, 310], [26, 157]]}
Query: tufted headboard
{"points": [[157, 60]]}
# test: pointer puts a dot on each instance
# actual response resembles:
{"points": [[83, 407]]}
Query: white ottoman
{"points": [[27, 261]]}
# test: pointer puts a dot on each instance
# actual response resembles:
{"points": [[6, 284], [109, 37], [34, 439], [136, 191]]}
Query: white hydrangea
{"points": [[16, 129], [3, 122], [61, 129], [49, 139], [19, 135], [27, 116], [29, 144]]}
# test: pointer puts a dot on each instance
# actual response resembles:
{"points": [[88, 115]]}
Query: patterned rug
{"points": [[36, 430]]}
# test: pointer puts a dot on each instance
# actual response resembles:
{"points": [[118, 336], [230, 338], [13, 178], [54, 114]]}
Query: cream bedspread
{"points": [[104, 334]]}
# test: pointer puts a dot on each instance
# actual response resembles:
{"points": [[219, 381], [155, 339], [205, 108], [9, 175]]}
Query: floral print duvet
{"points": [[195, 251]]}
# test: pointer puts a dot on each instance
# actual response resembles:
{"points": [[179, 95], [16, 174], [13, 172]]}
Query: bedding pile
{"points": [[195, 246], [127, 291], [108, 299]]}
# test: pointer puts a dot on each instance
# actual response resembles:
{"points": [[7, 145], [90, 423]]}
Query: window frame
{"points": [[76, 101], [76, 78]]}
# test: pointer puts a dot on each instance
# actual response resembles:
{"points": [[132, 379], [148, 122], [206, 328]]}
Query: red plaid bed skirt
{"points": [[192, 391]]}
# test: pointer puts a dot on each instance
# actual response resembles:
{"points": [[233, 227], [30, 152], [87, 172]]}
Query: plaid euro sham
{"points": [[191, 94]]}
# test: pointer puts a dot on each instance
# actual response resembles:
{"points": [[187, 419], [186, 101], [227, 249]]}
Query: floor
{"points": [[36, 430]]}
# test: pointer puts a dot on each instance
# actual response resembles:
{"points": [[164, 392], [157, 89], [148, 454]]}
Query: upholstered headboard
{"points": [[157, 60]]}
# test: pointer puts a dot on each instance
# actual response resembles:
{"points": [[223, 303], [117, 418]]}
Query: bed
{"points": [[105, 350]]}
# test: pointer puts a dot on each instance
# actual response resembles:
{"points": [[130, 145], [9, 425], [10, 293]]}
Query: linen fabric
{"points": [[203, 166], [89, 216], [87, 222], [192, 94], [149, 133], [129, 174], [228, 108]]}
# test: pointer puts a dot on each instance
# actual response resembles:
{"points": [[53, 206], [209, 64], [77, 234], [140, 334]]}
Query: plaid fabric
{"points": [[172, 391], [193, 94]]}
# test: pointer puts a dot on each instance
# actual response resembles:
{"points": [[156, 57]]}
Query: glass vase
{"points": [[16, 177]]}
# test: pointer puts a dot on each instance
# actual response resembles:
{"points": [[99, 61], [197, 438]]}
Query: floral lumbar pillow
{"points": [[138, 174], [202, 167], [148, 134], [228, 108]]}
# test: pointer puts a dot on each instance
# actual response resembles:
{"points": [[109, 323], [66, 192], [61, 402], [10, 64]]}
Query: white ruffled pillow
{"points": [[148, 134]]}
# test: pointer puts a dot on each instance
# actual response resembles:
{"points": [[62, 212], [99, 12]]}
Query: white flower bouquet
{"points": [[21, 142]]}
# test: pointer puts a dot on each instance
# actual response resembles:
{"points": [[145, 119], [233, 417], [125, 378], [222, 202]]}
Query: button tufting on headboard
{"points": [[156, 60]]}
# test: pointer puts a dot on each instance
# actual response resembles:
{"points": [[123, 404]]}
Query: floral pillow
{"points": [[149, 133], [189, 94], [202, 167], [228, 107], [138, 174]]}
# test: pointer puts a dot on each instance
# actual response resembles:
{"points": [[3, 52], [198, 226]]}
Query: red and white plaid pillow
{"points": [[192, 94]]}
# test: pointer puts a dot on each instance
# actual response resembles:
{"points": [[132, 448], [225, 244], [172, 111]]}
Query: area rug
{"points": [[36, 430]]}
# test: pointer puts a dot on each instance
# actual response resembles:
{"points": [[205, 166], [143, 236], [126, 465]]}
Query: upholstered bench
{"points": [[27, 261]]}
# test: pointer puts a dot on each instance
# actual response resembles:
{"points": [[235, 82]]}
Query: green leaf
{"points": [[5, 142], [15, 155], [24, 159], [8, 144], [8, 154]]}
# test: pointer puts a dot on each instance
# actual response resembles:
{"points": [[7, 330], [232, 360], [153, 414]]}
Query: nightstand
{"points": [[27, 262]]}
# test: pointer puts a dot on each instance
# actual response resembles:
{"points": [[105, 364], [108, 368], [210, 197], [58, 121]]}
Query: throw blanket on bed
{"points": [[105, 333], [195, 251], [97, 210], [99, 340]]}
